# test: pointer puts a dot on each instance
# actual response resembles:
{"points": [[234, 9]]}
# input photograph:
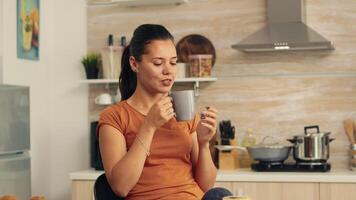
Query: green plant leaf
{"points": [[90, 60]]}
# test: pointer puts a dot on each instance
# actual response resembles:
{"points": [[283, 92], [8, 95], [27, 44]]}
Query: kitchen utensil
{"points": [[265, 152], [312, 146], [349, 130], [227, 131], [269, 152], [229, 147]]}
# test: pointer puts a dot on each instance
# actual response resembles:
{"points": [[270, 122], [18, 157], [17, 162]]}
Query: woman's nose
{"points": [[168, 69]]}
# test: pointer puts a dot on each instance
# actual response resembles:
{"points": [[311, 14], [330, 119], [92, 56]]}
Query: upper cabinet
{"points": [[138, 2]]}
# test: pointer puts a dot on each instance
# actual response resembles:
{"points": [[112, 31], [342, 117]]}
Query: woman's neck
{"points": [[143, 100]]}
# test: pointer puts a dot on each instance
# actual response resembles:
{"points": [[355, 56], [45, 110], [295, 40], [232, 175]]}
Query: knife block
{"points": [[230, 159]]}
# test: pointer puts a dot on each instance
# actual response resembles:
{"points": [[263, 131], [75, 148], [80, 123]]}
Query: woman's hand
{"points": [[207, 126], [160, 112]]}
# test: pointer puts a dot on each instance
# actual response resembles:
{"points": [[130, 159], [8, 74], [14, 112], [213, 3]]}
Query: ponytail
{"points": [[127, 79], [142, 36]]}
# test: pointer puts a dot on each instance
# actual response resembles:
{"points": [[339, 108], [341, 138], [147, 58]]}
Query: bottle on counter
{"points": [[248, 140], [111, 58]]}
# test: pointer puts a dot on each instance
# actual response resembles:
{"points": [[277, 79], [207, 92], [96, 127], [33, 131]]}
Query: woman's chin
{"points": [[165, 89]]}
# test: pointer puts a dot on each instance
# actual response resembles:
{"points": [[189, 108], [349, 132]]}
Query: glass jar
{"points": [[200, 65]]}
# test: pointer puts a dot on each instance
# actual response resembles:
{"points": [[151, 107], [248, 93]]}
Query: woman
{"points": [[146, 153]]}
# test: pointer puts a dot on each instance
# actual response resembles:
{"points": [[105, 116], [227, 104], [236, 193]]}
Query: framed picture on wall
{"points": [[28, 26]]}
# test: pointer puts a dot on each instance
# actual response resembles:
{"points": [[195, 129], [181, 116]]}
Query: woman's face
{"points": [[157, 70]]}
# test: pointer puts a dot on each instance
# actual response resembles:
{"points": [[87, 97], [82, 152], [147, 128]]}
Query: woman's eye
{"points": [[157, 64], [174, 64]]}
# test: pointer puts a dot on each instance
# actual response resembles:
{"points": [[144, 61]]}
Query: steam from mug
{"points": [[184, 105]]}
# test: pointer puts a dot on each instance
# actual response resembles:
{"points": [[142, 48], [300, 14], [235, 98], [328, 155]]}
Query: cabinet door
{"points": [[82, 190], [278, 191], [298, 191], [333, 191], [226, 185]]}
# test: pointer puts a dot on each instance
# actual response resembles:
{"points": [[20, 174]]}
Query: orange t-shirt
{"points": [[167, 172]]}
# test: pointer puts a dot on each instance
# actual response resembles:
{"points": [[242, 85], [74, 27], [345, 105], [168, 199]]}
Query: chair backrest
{"points": [[103, 191]]}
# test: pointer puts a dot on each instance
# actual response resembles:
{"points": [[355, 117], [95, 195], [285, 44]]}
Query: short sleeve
{"points": [[110, 117], [193, 124]]}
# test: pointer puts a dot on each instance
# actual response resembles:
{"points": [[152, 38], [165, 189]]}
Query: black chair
{"points": [[103, 191]]}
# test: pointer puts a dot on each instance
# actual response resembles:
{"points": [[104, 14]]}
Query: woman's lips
{"points": [[166, 82]]}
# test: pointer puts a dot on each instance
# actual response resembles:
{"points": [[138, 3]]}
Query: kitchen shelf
{"points": [[135, 2], [194, 80]]}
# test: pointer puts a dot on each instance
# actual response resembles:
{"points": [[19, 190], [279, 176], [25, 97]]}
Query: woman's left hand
{"points": [[207, 126]]}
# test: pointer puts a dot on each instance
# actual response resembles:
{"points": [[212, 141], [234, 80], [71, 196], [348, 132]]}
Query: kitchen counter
{"points": [[246, 175]]}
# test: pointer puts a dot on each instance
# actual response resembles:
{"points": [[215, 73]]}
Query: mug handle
{"points": [[96, 100]]}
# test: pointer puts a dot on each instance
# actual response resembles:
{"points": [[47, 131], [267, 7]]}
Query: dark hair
{"points": [[194, 44], [142, 36]]}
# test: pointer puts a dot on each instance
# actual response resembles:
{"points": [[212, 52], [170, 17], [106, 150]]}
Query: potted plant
{"points": [[90, 63]]}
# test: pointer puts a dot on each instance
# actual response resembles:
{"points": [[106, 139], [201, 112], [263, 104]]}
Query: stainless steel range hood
{"points": [[285, 30]]}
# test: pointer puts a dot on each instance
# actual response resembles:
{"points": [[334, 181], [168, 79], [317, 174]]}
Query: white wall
{"points": [[69, 100], [1, 39], [59, 125]]}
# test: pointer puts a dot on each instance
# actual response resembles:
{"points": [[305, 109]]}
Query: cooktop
{"points": [[291, 167]]}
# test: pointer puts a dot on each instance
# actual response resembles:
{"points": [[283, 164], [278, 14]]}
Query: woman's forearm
{"points": [[205, 170], [127, 171]]}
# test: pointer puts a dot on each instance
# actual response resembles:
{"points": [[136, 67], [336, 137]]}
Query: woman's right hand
{"points": [[160, 112]]}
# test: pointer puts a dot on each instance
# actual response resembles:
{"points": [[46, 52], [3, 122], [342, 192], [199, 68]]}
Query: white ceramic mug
{"points": [[183, 104], [103, 99]]}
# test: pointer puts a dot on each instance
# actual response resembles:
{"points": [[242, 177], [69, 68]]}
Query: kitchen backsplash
{"points": [[275, 93]]}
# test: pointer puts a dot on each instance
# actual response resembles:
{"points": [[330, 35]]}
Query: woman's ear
{"points": [[133, 64]]}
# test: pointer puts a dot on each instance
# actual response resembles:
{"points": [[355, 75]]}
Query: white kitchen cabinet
{"points": [[337, 191], [338, 184], [277, 191], [82, 190], [227, 185]]}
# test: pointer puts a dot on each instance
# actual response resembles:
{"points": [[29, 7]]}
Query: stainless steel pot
{"points": [[312, 146]]}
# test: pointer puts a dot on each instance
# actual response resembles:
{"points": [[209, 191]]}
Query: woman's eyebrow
{"points": [[161, 58]]}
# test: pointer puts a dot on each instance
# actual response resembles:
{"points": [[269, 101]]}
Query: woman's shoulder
{"points": [[115, 116], [116, 109]]}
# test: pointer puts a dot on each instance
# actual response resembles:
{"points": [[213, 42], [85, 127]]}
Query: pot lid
{"points": [[320, 134], [313, 131], [268, 142]]}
